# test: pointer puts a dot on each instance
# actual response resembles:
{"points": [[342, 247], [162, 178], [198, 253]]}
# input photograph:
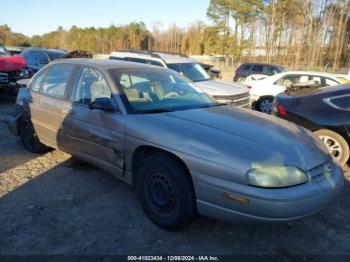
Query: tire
{"points": [[165, 192], [336, 145], [29, 137], [264, 105]]}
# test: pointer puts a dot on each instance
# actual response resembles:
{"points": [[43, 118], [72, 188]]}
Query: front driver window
{"points": [[89, 85]]}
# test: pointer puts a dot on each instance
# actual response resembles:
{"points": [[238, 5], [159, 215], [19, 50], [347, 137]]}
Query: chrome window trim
{"points": [[330, 103]]}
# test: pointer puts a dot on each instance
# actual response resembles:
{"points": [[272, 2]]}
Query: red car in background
{"points": [[12, 69]]}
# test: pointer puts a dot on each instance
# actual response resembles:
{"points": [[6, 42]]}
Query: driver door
{"points": [[95, 135]]}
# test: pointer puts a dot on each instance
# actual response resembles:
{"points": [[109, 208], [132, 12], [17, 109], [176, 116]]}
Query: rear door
{"points": [[49, 90], [95, 135]]}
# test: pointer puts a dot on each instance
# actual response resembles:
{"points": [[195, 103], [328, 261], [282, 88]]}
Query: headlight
{"points": [[276, 176], [24, 73]]}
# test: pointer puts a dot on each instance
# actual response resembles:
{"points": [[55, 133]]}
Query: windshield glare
{"points": [[193, 71], [56, 54], [148, 91]]}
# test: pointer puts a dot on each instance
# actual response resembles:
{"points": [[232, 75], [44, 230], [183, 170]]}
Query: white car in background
{"points": [[263, 92]]}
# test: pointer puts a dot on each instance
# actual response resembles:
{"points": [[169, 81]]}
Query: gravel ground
{"points": [[54, 204]]}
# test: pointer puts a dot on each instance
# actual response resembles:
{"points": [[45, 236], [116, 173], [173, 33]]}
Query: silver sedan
{"points": [[184, 153]]}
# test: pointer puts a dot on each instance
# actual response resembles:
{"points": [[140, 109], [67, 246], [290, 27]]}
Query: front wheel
{"points": [[336, 145], [264, 105], [165, 191]]}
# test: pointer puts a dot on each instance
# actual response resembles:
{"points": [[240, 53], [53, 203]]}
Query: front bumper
{"points": [[240, 100], [265, 205]]}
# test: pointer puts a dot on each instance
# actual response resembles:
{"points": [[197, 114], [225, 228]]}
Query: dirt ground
{"points": [[54, 204]]}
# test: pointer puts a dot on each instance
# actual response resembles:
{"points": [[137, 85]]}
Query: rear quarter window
{"points": [[341, 102], [38, 81]]}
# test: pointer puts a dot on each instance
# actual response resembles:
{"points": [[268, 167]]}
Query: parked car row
{"points": [[175, 136], [264, 91], [22, 63], [12, 69]]}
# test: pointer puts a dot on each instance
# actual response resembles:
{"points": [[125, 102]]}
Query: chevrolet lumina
{"points": [[183, 153]]}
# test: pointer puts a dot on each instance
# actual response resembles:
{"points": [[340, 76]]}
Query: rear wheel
{"points": [[165, 191], [335, 144], [29, 137], [264, 105]]}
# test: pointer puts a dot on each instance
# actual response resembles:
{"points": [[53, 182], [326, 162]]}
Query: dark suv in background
{"points": [[37, 58], [247, 69]]}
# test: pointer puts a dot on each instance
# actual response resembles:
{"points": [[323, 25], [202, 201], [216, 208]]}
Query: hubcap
{"points": [[266, 106], [333, 146], [161, 194]]}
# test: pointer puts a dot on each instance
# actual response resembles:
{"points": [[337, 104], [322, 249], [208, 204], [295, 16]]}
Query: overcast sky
{"points": [[32, 17]]}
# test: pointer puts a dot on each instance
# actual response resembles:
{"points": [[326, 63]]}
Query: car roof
{"points": [[263, 64], [175, 58], [168, 58], [46, 49], [105, 64], [324, 74]]}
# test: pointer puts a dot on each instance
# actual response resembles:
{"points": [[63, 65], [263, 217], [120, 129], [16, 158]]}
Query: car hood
{"points": [[221, 88], [12, 63], [236, 138]]}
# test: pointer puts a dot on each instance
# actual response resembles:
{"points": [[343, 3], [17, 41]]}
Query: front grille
{"points": [[241, 100], [4, 78]]}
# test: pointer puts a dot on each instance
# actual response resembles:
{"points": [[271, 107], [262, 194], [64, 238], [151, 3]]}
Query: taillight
{"points": [[249, 87], [279, 109]]}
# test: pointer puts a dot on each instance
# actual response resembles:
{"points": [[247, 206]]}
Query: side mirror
{"points": [[102, 103]]}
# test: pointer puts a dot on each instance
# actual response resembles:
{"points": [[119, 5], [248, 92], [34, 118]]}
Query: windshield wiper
{"points": [[155, 111]]}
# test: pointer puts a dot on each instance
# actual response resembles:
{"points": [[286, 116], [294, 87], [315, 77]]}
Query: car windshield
{"points": [[3, 51], [156, 91], [193, 71], [55, 54]]}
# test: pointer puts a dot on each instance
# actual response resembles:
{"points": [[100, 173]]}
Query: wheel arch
{"points": [[143, 151]]}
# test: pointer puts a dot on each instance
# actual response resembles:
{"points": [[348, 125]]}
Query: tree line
{"points": [[309, 33]]}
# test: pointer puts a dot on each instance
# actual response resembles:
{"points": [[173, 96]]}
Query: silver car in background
{"points": [[183, 152]]}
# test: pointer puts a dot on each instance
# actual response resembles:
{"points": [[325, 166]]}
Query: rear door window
{"points": [[117, 58], [56, 80], [245, 67], [155, 63], [330, 82], [137, 60], [258, 68]]}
